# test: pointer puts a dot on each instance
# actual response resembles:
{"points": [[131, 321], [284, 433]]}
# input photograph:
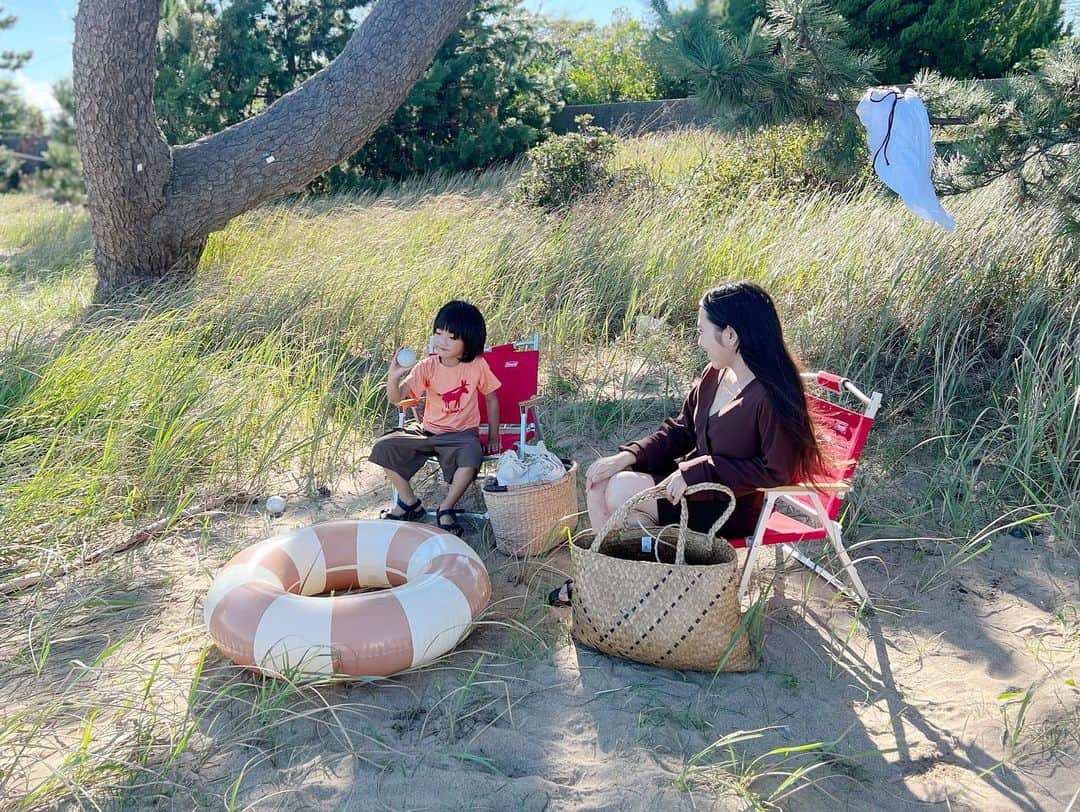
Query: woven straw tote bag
{"points": [[682, 613]]}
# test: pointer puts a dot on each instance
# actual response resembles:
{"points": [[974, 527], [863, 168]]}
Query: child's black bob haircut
{"points": [[463, 320]]}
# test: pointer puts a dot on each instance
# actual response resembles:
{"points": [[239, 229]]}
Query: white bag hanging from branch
{"points": [[898, 134]]}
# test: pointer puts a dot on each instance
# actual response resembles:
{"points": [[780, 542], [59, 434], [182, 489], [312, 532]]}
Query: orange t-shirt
{"points": [[453, 392]]}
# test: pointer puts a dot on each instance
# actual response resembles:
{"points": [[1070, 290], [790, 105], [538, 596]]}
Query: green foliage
{"points": [[487, 96], [736, 16], [219, 65], [11, 60], [9, 170], [794, 65], [186, 91], [16, 114], [609, 63], [567, 167], [787, 159], [63, 175], [1026, 128], [268, 48], [959, 38]]}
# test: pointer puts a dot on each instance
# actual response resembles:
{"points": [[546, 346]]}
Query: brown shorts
{"points": [[404, 451]]}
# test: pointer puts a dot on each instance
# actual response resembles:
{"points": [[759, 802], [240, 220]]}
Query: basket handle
{"points": [[618, 520]]}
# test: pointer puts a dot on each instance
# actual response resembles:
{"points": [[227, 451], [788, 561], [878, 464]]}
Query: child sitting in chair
{"points": [[452, 379]]}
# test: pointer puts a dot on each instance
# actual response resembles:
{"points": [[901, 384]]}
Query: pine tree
{"points": [[792, 65], [186, 99], [1026, 128], [959, 38], [63, 177], [487, 97], [11, 60]]}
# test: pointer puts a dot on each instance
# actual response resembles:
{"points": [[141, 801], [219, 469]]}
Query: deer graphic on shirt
{"points": [[452, 398]]}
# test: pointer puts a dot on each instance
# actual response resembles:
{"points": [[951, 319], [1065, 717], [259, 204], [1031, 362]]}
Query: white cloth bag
{"points": [[538, 465], [901, 150]]}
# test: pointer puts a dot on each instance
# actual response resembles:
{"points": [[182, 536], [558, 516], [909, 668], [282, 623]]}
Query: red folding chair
{"points": [[844, 432], [517, 366]]}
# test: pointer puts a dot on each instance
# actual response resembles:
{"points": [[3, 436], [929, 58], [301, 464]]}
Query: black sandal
{"points": [[411, 512], [555, 595], [453, 527]]}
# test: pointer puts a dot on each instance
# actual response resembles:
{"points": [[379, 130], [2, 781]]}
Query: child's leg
{"points": [[458, 485], [400, 454], [405, 492]]}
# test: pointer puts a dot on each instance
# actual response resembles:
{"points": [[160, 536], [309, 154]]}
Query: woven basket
{"points": [[530, 519], [675, 606]]}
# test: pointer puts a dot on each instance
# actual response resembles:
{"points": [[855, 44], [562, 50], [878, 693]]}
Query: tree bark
{"points": [[153, 206]]}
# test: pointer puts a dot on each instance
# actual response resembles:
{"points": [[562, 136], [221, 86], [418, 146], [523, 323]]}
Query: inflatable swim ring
{"points": [[262, 609]]}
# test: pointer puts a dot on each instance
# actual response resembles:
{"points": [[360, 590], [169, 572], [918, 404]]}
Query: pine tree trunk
{"points": [[152, 206]]}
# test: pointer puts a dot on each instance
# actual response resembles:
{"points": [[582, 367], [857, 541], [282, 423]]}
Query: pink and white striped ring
{"points": [[263, 613]]}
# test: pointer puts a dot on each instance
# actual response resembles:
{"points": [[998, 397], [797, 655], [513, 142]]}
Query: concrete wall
{"points": [[633, 118]]}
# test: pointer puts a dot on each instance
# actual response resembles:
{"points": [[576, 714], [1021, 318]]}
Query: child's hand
{"points": [[493, 446], [395, 369]]}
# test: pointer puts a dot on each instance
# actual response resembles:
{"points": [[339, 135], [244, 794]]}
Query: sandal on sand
{"points": [[453, 526], [555, 597], [410, 513]]}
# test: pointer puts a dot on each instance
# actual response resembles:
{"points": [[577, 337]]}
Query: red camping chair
{"points": [[844, 432], [517, 366]]}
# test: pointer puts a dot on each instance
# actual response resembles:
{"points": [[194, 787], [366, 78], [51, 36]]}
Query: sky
{"points": [[47, 28]]}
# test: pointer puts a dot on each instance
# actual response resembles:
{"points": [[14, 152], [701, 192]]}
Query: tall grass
{"points": [[273, 360]]}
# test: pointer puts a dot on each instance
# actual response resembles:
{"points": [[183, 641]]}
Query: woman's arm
{"points": [[676, 437]]}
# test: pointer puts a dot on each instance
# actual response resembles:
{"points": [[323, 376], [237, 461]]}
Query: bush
{"points": [[567, 167], [792, 158]]}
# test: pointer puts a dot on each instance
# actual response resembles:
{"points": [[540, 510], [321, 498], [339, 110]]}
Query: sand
{"points": [[914, 705]]}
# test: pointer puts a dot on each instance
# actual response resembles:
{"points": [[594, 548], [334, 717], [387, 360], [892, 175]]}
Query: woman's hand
{"points": [[606, 467], [674, 487]]}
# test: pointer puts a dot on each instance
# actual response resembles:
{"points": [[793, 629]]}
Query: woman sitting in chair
{"points": [[744, 424]]}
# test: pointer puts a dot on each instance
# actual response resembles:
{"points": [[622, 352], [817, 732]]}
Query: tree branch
{"points": [[317, 125]]}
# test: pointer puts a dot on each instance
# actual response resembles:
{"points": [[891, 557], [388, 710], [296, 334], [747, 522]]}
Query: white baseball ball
{"points": [[275, 505], [406, 357]]}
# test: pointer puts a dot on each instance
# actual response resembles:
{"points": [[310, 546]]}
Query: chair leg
{"points": [[832, 530], [849, 566], [816, 568], [752, 551], [754, 545]]}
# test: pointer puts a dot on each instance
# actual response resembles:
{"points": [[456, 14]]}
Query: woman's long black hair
{"points": [[750, 312]]}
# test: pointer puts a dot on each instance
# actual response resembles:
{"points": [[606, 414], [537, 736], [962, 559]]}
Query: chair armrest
{"points": [[535, 400], [833, 487], [408, 403]]}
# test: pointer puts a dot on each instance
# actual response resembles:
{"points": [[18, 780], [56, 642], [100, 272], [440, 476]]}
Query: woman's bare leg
{"points": [[617, 490], [605, 497]]}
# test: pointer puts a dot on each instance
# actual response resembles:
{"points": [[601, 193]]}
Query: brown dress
{"points": [[742, 446]]}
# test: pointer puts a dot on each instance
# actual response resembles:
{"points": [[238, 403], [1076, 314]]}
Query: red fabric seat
{"points": [[784, 529], [843, 433]]}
